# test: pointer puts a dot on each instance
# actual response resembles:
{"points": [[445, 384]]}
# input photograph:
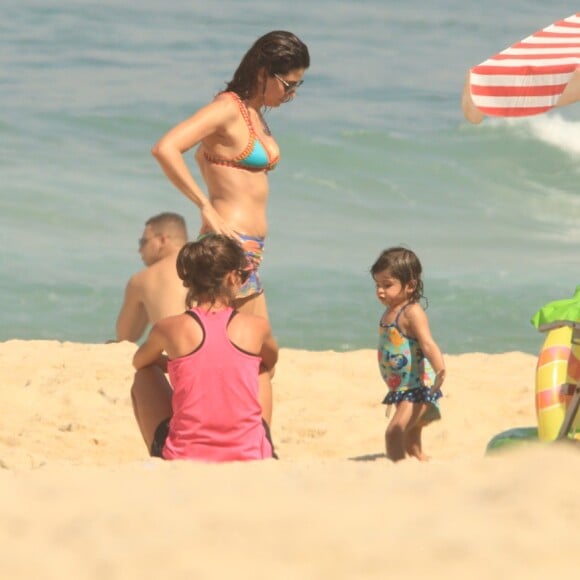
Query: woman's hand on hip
{"points": [[212, 221]]}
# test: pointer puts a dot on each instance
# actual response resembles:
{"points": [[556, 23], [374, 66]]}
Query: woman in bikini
{"points": [[235, 152]]}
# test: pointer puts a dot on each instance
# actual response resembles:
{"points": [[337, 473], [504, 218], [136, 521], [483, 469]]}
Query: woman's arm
{"points": [[151, 351], [269, 350], [169, 152]]}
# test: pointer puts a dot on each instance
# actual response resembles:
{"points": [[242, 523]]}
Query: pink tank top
{"points": [[216, 412]]}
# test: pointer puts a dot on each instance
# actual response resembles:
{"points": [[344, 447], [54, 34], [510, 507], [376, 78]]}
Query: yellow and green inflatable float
{"points": [[557, 378]]}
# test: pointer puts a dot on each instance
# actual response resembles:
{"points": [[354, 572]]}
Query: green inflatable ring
{"points": [[512, 437]]}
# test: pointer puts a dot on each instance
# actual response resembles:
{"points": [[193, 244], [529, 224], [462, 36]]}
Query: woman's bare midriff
{"points": [[239, 196]]}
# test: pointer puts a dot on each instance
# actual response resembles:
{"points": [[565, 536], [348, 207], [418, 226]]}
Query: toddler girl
{"points": [[405, 350]]}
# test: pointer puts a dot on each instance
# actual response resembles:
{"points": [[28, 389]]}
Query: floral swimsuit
{"points": [[405, 369]]}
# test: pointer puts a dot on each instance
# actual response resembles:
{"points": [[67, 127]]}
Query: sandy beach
{"points": [[81, 499]]}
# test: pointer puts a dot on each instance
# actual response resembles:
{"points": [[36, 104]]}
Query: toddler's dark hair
{"points": [[402, 264]]}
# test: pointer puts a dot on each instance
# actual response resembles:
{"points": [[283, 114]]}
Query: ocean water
{"points": [[375, 152]]}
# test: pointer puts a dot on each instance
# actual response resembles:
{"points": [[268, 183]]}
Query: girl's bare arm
{"points": [[419, 328]]}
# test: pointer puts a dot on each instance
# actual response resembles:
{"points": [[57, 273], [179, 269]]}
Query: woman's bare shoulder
{"points": [[226, 101], [172, 323], [222, 109], [226, 97]]}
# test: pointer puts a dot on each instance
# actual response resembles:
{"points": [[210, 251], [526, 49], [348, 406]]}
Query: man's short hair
{"points": [[169, 223]]}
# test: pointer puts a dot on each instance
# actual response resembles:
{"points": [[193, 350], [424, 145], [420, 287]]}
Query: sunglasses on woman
{"points": [[289, 86]]}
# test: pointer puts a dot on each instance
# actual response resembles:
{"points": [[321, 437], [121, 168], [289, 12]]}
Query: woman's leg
{"points": [[256, 304], [151, 396]]}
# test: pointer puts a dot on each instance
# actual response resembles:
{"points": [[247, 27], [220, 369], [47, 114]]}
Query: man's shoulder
{"points": [[164, 269], [138, 278], [168, 262]]}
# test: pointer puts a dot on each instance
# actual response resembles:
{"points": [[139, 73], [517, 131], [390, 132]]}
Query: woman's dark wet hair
{"points": [[278, 52], [204, 264], [403, 265]]}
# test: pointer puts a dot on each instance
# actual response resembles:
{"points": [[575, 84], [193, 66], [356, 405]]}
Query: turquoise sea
{"points": [[375, 152]]}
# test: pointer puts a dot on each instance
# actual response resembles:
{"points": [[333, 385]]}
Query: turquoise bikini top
{"points": [[255, 156]]}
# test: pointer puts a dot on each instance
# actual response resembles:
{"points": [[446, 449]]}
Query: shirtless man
{"points": [[156, 291]]}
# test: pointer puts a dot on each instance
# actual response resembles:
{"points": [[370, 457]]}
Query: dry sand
{"points": [[79, 498]]}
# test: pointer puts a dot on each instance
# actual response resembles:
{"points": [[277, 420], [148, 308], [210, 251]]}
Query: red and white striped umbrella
{"points": [[530, 77]]}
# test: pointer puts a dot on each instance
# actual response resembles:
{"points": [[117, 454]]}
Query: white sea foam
{"points": [[557, 131]]}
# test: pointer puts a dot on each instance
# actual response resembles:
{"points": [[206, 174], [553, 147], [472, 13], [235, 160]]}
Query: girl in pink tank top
{"points": [[214, 357]]}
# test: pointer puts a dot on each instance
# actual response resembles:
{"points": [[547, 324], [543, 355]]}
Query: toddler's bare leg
{"points": [[395, 436], [414, 445]]}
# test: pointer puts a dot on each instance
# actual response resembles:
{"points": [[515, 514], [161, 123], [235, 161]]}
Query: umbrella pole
{"points": [[571, 413], [574, 404]]}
